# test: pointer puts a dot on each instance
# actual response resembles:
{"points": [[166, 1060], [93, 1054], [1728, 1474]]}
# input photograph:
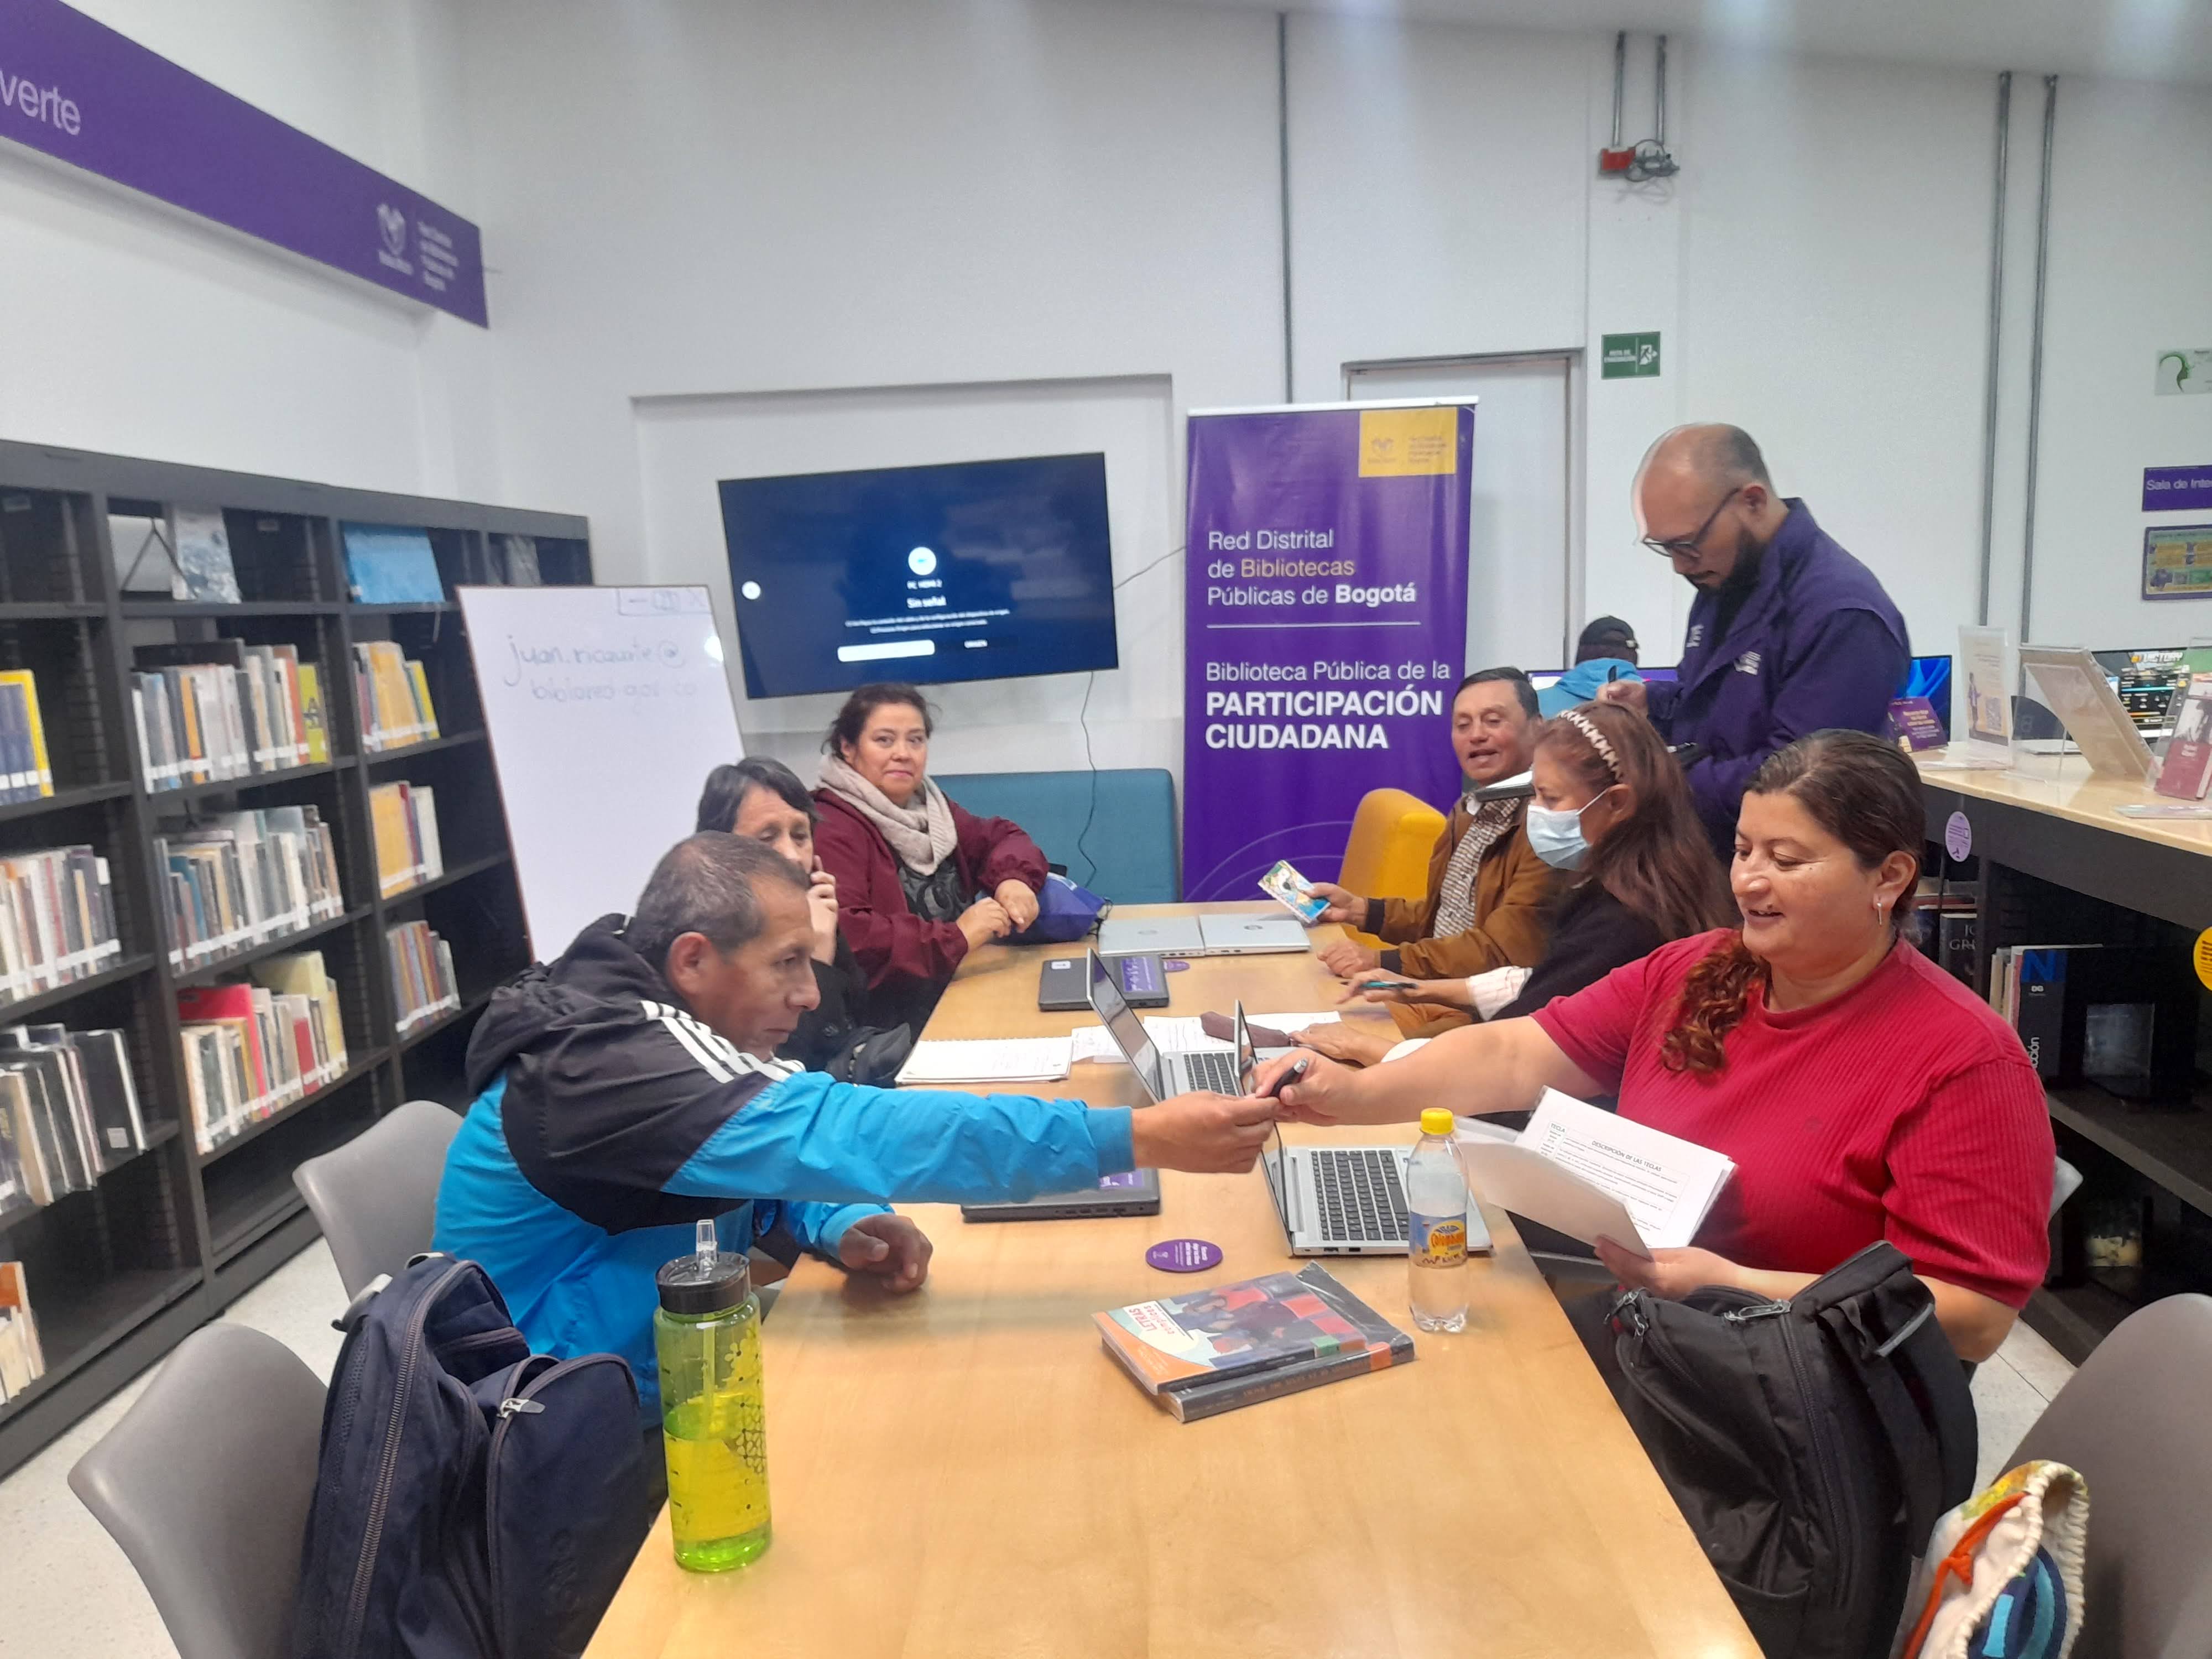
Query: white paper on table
{"points": [[987, 1059], [1528, 1183], [1180, 1034], [1667, 1185]]}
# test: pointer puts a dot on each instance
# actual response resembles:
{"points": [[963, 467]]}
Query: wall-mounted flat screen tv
{"points": [[979, 570]]}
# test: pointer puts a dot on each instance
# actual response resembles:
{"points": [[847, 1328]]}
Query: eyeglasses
{"points": [[1686, 547]]}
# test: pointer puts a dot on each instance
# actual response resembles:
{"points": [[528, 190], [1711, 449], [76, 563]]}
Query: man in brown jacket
{"points": [[1489, 902]]}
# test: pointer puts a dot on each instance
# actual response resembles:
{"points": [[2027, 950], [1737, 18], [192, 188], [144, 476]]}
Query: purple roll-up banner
{"points": [[74, 90], [1325, 628]]}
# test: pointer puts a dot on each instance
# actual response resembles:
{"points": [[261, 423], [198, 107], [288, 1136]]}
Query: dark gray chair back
{"points": [[376, 1197], [205, 1484], [2134, 1420]]}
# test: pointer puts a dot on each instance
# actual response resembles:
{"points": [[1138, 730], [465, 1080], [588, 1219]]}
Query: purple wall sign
{"points": [[2177, 488], [76, 91], [1324, 631]]}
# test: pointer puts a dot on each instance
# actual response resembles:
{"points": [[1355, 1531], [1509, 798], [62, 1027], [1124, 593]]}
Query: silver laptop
{"points": [[1158, 1075], [1341, 1200], [1229, 935], [1161, 936]]}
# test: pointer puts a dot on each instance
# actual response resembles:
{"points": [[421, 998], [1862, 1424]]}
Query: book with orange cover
{"points": [[1215, 1350]]}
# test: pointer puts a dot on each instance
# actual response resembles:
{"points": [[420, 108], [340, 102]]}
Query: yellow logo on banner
{"points": [[1408, 443]]}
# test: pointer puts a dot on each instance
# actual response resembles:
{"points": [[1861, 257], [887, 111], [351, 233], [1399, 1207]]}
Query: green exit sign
{"points": [[1630, 357]]}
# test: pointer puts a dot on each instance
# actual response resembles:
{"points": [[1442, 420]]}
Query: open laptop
{"points": [[1340, 1200], [1158, 1075]]}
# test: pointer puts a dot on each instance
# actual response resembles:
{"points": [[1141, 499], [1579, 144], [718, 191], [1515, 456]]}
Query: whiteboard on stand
{"points": [[606, 706]]}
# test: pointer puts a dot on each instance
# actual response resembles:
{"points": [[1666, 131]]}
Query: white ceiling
{"points": [[2149, 40]]}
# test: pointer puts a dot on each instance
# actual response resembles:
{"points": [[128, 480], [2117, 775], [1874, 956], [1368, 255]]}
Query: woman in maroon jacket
{"points": [[921, 882]]}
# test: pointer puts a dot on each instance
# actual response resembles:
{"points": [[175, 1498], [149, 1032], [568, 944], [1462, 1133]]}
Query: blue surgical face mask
{"points": [[1556, 833]]}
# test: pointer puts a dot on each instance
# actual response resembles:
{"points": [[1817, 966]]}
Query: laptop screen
{"points": [[1123, 1025], [1273, 1161]]}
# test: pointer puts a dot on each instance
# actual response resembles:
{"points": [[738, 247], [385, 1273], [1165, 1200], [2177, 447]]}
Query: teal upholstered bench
{"points": [[1129, 854]]}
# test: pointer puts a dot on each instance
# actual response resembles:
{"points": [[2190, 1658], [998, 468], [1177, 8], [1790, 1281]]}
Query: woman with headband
{"points": [[1610, 805]]}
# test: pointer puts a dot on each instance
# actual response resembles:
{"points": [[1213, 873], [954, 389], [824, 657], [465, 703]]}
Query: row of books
{"points": [[69, 1113], [22, 1361], [57, 919], [253, 1049], [222, 708], [394, 697], [405, 816], [423, 986], [2124, 1017], [25, 773], [244, 878]]}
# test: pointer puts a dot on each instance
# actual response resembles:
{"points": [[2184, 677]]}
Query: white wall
{"points": [[128, 327], [2130, 275]]}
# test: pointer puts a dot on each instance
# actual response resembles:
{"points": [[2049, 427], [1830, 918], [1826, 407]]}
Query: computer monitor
{"points": [[978, 570], [2147, 681], [1931, 678]]}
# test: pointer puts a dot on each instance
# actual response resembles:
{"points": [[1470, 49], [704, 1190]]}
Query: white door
{"points": [[1520, 563]]}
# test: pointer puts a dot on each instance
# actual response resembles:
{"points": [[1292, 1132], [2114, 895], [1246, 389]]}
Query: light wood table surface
{"points": [[2063, 786], [963, 1472]]}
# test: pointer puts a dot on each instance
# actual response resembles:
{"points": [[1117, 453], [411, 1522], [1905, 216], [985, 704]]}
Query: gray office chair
{"points": [[376, 1197], [2133, 1421], [205, 1484]]}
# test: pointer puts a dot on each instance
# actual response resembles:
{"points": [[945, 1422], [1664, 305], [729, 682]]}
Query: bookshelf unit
{"points": [[170, 1236], [2052, 864]]}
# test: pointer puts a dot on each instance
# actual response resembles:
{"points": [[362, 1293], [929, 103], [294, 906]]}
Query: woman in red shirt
{"points": [[1863, 1092]]}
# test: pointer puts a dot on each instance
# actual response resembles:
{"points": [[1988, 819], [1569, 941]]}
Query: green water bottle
{"points": [[706, 1334]]}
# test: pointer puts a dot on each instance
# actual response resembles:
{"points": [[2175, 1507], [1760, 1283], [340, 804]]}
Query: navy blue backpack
{"points": [[473, 1500], [1066, 911]]}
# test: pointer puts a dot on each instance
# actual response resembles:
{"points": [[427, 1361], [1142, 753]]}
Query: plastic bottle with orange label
{"points": [[1436, 1206]]}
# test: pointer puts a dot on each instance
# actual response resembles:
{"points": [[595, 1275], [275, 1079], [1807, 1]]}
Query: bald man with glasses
{"points": [[1789, 635]]}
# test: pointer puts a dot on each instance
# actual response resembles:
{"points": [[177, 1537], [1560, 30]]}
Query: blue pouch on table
{"points": [[1066, 911]]}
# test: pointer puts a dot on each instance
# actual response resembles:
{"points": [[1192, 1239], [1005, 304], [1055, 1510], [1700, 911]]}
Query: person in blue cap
{"points": [[1605, 653], [1788, 636]]}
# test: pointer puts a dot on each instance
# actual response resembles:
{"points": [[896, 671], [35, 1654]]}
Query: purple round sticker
{"points": [[1184, 1255], [1957, 836]]}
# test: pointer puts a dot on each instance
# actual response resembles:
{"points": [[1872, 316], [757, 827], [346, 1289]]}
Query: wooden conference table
{"points": [[963, 1472]]}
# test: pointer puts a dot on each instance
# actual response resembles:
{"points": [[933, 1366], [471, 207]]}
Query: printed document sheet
{"points": [[1588, 1173], [1001, 1059]]}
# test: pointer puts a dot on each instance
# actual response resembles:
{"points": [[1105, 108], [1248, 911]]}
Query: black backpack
{"points": [[1812, 1443], [473, 1500]]}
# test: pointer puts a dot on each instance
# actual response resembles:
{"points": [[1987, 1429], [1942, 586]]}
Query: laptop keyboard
{"points": [[1212, 1070], [1361, 1200]]}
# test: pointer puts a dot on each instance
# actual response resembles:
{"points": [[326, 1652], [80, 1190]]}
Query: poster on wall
{"points": [[2176, 562], [1325, 627]]}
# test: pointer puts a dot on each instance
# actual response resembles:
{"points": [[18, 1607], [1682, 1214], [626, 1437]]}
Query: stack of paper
{"points": [[1003, 1060], [1590, 1174]]}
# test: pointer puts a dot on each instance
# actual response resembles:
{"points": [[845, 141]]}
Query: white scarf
{"points": [[921, 834]]}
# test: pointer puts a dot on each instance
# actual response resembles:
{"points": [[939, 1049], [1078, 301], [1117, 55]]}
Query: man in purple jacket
{"points": [[1788, 634]]}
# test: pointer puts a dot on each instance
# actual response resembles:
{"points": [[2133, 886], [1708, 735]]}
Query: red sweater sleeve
{"points": [[888, 940], [1595, 1026], [997, 849], [1970, 1171]]}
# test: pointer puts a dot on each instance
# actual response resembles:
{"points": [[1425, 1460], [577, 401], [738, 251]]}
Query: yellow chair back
{"points": [[1393, 834]]}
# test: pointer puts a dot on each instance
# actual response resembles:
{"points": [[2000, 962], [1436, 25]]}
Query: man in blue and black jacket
{"points": [[627, 1092]]}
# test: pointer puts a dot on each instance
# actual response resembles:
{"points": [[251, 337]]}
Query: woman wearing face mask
{"points": [[1611, 805], [763, 800], [920, 881], [1862, 1093]]}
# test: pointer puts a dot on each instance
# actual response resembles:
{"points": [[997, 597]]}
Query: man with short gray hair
{"points": [[1789, 634], [627, 1090]]}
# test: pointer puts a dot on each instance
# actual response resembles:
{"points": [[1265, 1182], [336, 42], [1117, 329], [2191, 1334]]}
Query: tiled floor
{"points": [[69, 1591]]}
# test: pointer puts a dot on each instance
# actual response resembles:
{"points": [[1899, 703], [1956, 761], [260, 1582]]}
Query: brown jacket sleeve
{"points": [[1513, 898]]}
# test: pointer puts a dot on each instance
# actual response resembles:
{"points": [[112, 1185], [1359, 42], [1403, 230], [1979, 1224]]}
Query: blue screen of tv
{"points": [[1931, 678], [981, 571]]}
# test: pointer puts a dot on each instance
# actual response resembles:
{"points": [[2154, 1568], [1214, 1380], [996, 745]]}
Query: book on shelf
{"points": [[205, 574], [405, 818], [386, 564], [251, 1050], [315, 731], [26, 770], [2121, 1016], [394, 696], [423, 986], [218, 709], [22, 1361], [244, 878], [57, 920], [302, 973], [69, 1112], [1214, 1350]]}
